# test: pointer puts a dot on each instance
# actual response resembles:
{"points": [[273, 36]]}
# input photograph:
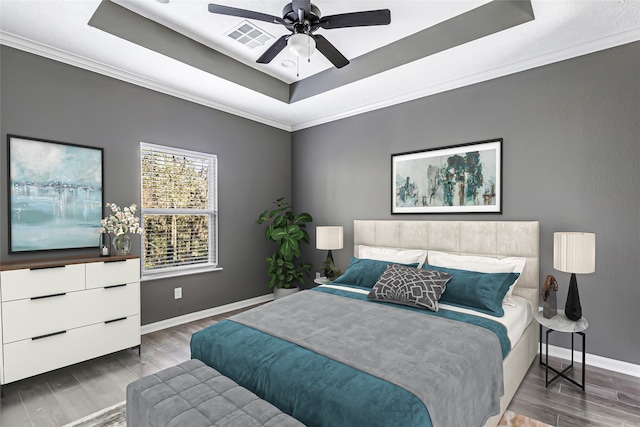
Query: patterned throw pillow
{"points": [[410, 286]]}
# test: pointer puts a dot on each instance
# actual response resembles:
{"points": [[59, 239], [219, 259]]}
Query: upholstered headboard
{"points": [[497, 239]]}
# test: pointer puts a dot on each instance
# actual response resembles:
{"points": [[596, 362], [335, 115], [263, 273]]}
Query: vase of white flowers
{"points": [[122, 244], [121, 222]]}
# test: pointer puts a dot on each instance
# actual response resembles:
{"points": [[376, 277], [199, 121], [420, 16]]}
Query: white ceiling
{"points": [[562, 29]]}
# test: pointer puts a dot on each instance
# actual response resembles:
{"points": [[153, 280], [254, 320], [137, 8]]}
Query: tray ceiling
{"points": [[181, 49]]}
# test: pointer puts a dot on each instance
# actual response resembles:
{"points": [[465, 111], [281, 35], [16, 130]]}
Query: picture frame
{"points": [[464, 178], [55, 194]]}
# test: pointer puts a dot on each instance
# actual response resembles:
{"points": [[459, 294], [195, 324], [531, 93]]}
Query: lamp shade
{"points": [[302, 45], [329, 237], [574, 252]]}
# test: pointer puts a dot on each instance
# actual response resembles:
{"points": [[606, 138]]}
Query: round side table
{"points": [[560, 323]]}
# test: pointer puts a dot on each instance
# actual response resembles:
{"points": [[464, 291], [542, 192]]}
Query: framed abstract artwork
{"points": [[55, 194], [465, 178]]}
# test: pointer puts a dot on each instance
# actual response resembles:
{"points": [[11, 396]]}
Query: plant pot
{"points": [[283, 292]]}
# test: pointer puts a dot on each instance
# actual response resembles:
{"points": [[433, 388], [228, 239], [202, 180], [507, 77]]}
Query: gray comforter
{"points": [[453, 367]]}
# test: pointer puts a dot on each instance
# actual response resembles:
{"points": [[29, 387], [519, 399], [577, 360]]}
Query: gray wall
{"points": [[571, 156], [570, 160], [50, 100]]}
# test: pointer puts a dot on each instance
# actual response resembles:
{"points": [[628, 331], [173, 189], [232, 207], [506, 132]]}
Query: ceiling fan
{"points": [[303, 18]]}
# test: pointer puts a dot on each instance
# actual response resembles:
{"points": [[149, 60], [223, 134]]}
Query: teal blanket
{"points": [[334, 361], [312, 388]]}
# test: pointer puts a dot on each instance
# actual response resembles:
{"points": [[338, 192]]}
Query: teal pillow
{"points": [[365, 272], [482, 292]]}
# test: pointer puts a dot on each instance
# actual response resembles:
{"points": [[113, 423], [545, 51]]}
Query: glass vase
{"points": [[122, 244]]}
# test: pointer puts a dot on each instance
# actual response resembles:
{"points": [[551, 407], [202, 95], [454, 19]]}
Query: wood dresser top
{"points": [[56, 262]]}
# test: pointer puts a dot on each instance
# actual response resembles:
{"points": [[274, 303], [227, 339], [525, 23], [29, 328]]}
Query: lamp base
{"points": [[572, 308], [328, 262]]}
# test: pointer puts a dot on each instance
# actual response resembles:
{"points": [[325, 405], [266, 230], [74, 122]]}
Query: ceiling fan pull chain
{"points": [[297, 67]]}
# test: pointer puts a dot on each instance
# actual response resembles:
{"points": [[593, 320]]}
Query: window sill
{"points": [[185, 272]]}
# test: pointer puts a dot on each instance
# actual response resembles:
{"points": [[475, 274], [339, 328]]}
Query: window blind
{"points": [[179, 211]]}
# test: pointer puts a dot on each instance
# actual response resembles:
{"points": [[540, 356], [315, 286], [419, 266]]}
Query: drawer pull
{"points": [[115, 286], [48, 296], [48, 335], [115, 260], [115, 320], [46, 268]]}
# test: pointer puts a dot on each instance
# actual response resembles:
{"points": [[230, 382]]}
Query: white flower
{"points": [[121, 221]]}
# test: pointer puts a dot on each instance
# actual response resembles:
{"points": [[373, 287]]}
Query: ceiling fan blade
{"points": [[356, 19], [274, 50], [330, 51], [243, 13]]}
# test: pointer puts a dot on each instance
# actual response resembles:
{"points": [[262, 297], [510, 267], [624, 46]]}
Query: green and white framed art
{"points": [[465, 178]]}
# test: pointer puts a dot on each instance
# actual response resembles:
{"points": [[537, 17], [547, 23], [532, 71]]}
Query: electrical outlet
{"points": [[177, 293], [317, 274]]}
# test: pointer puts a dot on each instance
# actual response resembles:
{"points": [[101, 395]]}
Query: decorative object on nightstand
{"points": [[574, 253], [560, 323], [549, 300], [329, 238]]}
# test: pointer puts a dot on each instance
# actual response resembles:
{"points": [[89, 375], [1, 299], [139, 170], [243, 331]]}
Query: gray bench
{"points": [[195, 395]]}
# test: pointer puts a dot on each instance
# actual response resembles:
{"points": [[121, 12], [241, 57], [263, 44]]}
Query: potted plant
{"points": [[287, 231], [331, 272]]}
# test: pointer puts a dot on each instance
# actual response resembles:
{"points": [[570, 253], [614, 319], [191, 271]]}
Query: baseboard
{"points": [[597, 361], [175, 321]]}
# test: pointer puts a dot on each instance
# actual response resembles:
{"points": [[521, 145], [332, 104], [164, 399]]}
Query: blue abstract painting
{"points": [[456, 179], [55, 195]]}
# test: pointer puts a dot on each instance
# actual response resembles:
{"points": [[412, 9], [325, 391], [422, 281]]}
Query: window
{"points": [[179, 211]]}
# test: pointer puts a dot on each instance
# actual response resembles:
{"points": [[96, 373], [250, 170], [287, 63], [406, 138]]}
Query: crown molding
{"points": [[60, 55], [515, 67]]}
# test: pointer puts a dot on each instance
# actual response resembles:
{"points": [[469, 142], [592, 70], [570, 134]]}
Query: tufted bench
{"points": [[195, 395]]}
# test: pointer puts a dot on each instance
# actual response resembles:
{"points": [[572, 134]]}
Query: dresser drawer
{"points": [[100, 274], [28, 318], [28, 283], [26, 358]]}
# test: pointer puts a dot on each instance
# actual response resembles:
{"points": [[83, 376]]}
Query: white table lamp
{"points": [[574, 253], [329, 238]]}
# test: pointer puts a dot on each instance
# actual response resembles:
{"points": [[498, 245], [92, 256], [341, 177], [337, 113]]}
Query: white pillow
{"points": [[402, 256], [482, 265]]}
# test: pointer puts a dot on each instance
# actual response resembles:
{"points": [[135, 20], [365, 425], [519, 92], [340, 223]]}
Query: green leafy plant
{"points": [[331, 272], [287, 231]]}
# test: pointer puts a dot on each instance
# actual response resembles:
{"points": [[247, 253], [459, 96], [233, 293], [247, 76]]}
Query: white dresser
{"points": [[58, 312]]}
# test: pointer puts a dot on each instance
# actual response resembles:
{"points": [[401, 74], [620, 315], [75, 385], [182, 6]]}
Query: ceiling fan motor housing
{"points": [[290, 15]]}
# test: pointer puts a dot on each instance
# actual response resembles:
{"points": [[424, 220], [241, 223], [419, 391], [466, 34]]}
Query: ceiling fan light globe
{"points": [[301, 45]]}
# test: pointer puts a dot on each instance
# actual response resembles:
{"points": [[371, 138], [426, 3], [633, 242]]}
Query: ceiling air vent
{"points": [[249, 35]]}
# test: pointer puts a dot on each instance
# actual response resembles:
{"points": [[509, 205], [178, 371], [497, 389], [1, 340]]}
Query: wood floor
{"points": [[59, 397]]}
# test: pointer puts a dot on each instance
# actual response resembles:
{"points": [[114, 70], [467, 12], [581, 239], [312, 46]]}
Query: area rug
{"points": [[511, 419], [114, 416]]}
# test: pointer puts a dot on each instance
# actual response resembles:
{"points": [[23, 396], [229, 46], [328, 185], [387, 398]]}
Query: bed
{"points": [[330, 356]]}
